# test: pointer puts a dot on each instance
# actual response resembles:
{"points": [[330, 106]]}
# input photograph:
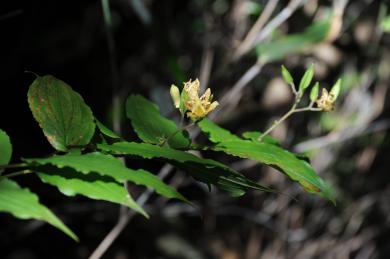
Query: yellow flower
{"points": [[198, 107], [326, 101]]}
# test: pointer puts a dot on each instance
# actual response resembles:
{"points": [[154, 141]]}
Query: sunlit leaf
{"points": [[287, 76], [306, 78], [106, 165], [272, 155], [24, 204], [106, 131], [205, 170], [61, 112], [5, 148], [93, 186], [314, 92], [335, 91], [150, 126]]}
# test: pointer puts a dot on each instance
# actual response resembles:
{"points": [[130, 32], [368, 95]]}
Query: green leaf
{"points": [[219, 134], [62, 114], [71, 183], [385, 24], [5, 148], [205, 170], [150, 126], [23, 204], [287, 76], [314, 92], [293, 44], [335, 91], [298, 170], [306, 79], [106, 165], [254, 136], [106, 131]]}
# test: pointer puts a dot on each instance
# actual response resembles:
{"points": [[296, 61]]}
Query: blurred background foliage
{"points": [[235, 47]]}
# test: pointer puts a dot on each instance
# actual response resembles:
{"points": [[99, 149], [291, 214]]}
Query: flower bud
{"points": [[314, 92], [335, 91], [175, 95], [287, 76]]}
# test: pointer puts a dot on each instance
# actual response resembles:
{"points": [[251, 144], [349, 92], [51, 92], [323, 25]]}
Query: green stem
{"points": [[308, 109], [177, 131], [27, 171], [13, 166], [288, 114], [277, 122]]}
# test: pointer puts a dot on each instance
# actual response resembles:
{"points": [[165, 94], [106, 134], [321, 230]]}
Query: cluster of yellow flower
{"points": [[189, 102], [326, 101], [196, 108]]}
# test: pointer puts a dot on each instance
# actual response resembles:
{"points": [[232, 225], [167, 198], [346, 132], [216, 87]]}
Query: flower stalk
{"points": [[324, 103]]}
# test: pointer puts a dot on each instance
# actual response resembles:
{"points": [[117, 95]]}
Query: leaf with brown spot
{"points": [[61, 112]]}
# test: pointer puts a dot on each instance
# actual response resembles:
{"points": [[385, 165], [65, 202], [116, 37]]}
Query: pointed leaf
{"points": [[219, 134], [314, 92], [62, 114], [287, 76], [205, 170], [106, 131], [306, 79], [23, 204], [150, 126], [335, 91], [298, 170], [71, 183], [106, 165], [5, 148]]}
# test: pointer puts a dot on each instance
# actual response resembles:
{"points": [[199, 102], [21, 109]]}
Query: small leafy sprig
{"points": [[324, 103], [86, 159]]}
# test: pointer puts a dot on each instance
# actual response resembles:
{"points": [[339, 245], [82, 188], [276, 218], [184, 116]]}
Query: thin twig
{"points": [[19, 165], [342, 135], [233, 96], [116, 99], [11, 14], [247, 43], [141, 11], [278, 20], [123, 221], [23, 172], [205, 67], [293, 109]]}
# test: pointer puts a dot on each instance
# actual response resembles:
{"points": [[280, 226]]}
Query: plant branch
{"points": [[293, 110], [125, 218], [278, 20], [247, 43], [233, 96], [19, 165], [27, 171], [205, 67], [116, 99]]}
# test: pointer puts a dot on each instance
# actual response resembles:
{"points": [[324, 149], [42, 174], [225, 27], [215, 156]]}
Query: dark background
{"points": [[68, 39]]}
